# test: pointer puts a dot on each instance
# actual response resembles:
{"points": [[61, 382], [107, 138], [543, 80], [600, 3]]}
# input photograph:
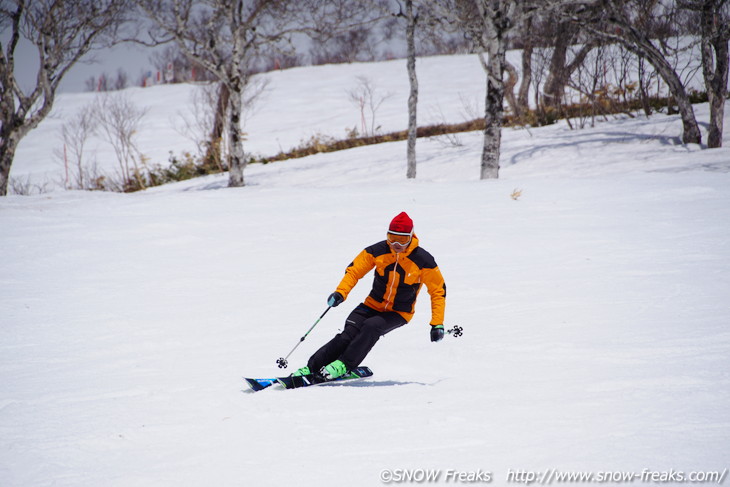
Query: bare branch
{"points": [[63, 32]]}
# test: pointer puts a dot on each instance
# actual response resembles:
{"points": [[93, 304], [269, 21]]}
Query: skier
{"points": [[401, 267]]}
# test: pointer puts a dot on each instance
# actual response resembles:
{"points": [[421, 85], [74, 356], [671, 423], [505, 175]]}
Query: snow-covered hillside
{"points": [[296, 105], [594, 307]]}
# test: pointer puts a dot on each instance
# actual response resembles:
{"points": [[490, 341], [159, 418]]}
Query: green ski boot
{"points": [[301, 371], [334, 370]]}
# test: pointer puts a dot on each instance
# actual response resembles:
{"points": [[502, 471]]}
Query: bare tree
{"points": [[367, 95], [118, 119], [225, 37], [198, 119], [714, 21], [75, 134], [564, 32], [432, 30], [528, 46], [411, 19], [632, 23], [589, 79], [488, 23], [63, 32], [524, 39]]}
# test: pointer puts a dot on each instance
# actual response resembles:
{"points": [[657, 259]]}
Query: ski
{"points": [[295, 382], [290, 382], [259, 384]]}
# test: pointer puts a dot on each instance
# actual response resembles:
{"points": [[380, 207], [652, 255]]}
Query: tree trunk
{"points": [[715, 71], [493, 111], [557, 76], [716, 93], [524, 90], [413, 96], [509, 89], [560, 69], [7, 153], [213, 152], [236, 156], [690, 130], [636, 40], [643, 92]]}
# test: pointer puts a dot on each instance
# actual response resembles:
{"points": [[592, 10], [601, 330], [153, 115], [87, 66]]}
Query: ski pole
{"points": [[282, 362]]}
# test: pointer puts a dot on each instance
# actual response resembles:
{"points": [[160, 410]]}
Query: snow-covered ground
{"points": [[594, 306]]}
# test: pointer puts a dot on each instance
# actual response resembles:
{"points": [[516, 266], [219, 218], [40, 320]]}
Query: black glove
{"points": [[335, 299], [437, 333]]}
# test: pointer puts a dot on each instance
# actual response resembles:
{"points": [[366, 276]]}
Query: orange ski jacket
{"points": [[397, 279]]}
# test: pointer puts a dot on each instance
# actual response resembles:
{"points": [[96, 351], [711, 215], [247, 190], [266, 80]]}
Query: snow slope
{"points": [[296, 105], [594, 310]]}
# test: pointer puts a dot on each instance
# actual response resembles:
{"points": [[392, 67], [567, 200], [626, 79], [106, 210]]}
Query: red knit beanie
{"points": [[401, 224]]}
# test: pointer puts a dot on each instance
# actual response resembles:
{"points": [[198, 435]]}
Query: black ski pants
{"points": [[363, 328]]}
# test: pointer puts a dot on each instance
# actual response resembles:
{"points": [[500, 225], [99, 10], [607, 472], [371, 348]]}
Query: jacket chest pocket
{"points": [[407, 273], [411, 275]]}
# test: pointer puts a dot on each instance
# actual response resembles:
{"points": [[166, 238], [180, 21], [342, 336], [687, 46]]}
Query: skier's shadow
{"points": [[379, 383]]}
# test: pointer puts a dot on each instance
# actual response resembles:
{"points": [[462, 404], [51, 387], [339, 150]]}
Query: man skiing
{"points": [[401, 268]]}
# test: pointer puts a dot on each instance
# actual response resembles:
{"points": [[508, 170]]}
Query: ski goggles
{"points": [[399, 240]]}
